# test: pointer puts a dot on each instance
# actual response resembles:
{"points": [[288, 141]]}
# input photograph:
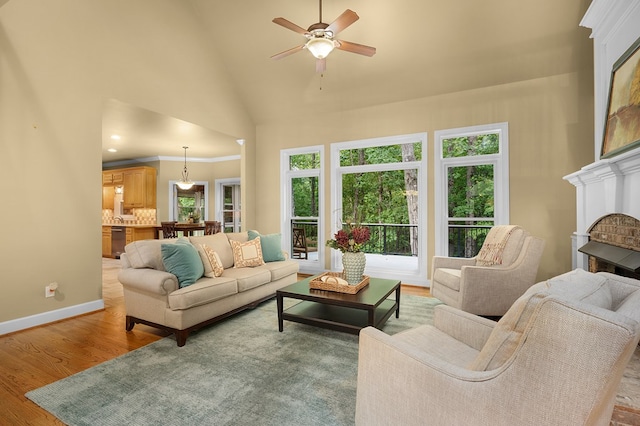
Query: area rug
{"points": [[241, 371]]}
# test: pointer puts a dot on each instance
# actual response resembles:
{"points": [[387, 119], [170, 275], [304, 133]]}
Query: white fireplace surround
{"points": [[609, 185]]}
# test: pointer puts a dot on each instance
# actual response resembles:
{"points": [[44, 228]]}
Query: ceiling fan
{"points": [[321, 38]]}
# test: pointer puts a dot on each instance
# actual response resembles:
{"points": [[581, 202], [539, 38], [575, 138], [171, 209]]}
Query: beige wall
{"points": [[54, 74], [550, 133]]}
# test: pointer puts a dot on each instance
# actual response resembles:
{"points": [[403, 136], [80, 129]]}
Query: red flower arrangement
{"points": [[350, 239]]}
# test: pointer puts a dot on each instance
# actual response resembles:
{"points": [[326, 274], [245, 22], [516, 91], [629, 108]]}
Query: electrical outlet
{"points": [[50, 290]]}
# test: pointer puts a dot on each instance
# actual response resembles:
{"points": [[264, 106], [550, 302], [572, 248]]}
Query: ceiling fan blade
{"points": [[288, 52], [347, 18], [321, 65], [360, 49], [290, 25]]}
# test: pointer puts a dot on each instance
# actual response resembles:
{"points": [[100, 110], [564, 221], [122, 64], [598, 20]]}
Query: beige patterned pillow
{"points": [[247, 254], [213, 265]]}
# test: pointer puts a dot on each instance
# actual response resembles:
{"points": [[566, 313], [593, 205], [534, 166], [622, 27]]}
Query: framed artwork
{"points": [[622, 127]]}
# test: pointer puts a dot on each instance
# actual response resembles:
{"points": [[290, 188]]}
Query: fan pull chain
{"points": [[321, 77]]}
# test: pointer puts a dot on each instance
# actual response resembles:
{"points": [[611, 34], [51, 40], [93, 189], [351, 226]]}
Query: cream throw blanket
{"points": [[491, 251]]}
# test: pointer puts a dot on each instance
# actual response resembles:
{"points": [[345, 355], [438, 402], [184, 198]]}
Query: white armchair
{"points": [[556, 357], [466, 284]]}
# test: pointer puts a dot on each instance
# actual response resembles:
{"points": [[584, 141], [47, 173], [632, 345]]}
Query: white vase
{"points": [[353, 264]]}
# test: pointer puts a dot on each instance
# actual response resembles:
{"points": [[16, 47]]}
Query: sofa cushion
{"points": [[146, 253], [211, 261], [249, 278], [182, 260], [271, 245], [509, 331], [219, 243], [281, 269], [246, 254], [448, 277], [204, 291]]}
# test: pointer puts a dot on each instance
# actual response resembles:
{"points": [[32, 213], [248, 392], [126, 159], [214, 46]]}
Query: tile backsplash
{"points": [[139, 217]]}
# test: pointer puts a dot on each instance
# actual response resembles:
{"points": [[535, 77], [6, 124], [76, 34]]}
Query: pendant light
{"points": [[185, 183]]}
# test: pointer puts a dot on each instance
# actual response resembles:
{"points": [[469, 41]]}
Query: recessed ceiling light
{"points": [[115, 137], [112, 150]]}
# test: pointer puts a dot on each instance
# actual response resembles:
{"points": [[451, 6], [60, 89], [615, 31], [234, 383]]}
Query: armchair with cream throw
{"points": [[490, 282], [556, 357]]}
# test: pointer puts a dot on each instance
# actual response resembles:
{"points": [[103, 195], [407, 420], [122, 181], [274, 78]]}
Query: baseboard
{"points": [[51, 316]]}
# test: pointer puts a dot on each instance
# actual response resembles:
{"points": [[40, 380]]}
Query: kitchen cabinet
{"points": [[106, 241], [138, 233], [112, 177], [108, 194], [139, 188]]}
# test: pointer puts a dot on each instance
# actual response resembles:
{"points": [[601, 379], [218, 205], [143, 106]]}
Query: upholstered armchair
{"points": [[490, 282], [556, 357]]}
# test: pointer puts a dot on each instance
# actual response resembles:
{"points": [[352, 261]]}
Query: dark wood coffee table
{"points": [[340, 311]]}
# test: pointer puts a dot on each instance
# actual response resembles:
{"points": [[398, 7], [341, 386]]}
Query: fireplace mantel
{"points": [[610, 185]]}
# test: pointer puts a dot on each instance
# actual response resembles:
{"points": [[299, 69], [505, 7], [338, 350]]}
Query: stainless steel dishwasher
{"points": [[118, 240]]}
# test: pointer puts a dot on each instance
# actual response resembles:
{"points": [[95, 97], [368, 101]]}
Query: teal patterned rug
{"points": [[241, 371]]}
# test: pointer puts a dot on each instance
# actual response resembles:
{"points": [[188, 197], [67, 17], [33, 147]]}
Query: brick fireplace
{"points": [[614, 245]]}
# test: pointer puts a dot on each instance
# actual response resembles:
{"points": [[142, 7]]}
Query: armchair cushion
{"points": [[508, 333], [448, 277]]}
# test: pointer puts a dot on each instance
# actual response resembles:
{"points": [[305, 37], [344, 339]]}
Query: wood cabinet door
{"points": [[106, 241], [108, 194], [134, 188]]}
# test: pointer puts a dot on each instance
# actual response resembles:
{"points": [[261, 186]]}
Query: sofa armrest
{"points": [[467, 328], [148, 280]]}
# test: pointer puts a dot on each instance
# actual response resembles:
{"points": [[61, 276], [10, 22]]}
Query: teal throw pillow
{"points": [[271, 246], [182, 260]]}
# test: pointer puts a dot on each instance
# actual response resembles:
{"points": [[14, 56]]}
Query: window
{"points": [[188, 203], [302, 195], [472, 186], [228, 211], [381, 183]]}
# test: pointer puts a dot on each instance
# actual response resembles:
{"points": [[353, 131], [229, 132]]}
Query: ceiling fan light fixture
{"points": [[185, 183], [320, 47]]}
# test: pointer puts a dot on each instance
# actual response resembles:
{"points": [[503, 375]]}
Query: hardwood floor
{"points": [[38, 356]]}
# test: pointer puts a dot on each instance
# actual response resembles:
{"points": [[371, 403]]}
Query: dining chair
{"points": [[300, 244], [169, 229], [211, 227]]}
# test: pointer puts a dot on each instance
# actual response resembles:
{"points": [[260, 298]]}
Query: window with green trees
{"points": [[472, 178], [380, 183], [302, 196]]}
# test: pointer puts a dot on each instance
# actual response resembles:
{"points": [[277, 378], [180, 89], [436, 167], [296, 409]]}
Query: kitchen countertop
{"points": [[132, 225]]}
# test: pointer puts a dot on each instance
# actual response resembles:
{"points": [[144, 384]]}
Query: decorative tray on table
{"points": [[333, 281]]}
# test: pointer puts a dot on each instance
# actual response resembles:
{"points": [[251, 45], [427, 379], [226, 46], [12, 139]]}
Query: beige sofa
{"points": [[556, 357], [153, 297]]}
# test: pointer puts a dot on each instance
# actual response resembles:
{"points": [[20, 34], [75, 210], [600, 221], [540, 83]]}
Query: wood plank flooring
{"points": [[38, 356]]}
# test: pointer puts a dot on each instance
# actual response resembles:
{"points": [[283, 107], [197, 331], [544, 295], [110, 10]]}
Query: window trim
{"points": [[419, 276], [500, 162], [219, 204], [286, 175], [173, 208]]}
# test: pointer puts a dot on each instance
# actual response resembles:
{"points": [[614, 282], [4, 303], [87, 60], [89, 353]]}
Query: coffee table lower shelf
{"points": [[339, 318]]}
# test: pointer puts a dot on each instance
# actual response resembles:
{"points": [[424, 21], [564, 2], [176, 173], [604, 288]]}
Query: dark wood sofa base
{"points": [[181, 335]]}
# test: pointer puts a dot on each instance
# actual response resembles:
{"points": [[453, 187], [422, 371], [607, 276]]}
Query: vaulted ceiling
{"points": [[424, 48]]}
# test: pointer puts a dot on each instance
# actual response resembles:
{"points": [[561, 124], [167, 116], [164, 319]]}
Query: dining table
{"points": [[186, 228]]}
